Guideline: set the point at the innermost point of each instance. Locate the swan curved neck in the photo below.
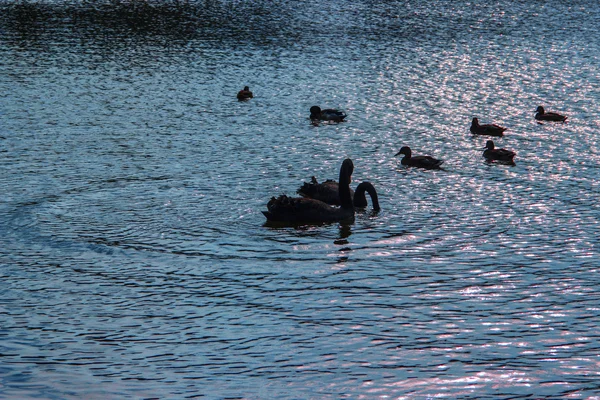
(360, 200)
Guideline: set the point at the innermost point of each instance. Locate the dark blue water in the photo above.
(134, 257)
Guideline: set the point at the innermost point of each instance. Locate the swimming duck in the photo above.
(328, 114)
(418, 161)
(493, 154)
(305, 210)
(487, 129)
(328, 192)
(245, 94)
(542, 115)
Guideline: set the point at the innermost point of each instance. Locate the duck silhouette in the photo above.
(328, 192)
(542, 115)
(304, 210)
(491, 153)
(329, 114)
(426, 162)
(486, 129)
(245, 94)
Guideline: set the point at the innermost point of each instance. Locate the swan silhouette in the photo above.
(491, 153)
(305, 210)
(542, 115)
(328, 192)
(329, 114)
(418, 161)
(486, 129)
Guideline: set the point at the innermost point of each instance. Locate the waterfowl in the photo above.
(328, 114)
(245, 94)
(305, 210)
(418, 161)
(328, 192)
(542, 115)
(493, 154)
(486, 129)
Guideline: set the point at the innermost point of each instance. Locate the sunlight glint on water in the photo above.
(134, 259)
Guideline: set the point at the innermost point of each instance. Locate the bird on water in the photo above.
(491, 153)
(304, 210)
(329, 114)
(245, 94)
(543, 115)
(328, 192)
(486, 129)
(426, 162)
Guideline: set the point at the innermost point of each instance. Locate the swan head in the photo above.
(540, 110)
(346, 170)
(475, 122)
(489, 145)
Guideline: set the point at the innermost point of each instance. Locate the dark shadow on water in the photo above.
(367, 211)
(142, 20)
(499, 162)
(241, 22)
(304, 226)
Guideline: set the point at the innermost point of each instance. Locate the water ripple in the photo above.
(135, 259)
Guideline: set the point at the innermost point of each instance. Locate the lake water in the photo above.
(134, 258)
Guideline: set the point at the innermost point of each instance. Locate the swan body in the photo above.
(305, 210)
(491, 153)
(245, 94)
(542, 115)
(486, 129)
(328, 192)
(426, 162)
(328, 114)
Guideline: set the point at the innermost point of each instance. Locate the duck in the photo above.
(486, 129)
(418, 161)
(300, 210)
(328, 192)
(245, 94)
(329, 114)
(491, 153)
(542, 115)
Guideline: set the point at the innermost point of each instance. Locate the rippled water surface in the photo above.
(134, 258)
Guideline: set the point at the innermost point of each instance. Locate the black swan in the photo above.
(542, 115)
(245, 94)
(486, 129)
(493, 154)
(418, 161)
(326, 115)
(304, 210)
(328, 192)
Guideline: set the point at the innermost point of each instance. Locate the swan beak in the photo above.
(397, 154)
